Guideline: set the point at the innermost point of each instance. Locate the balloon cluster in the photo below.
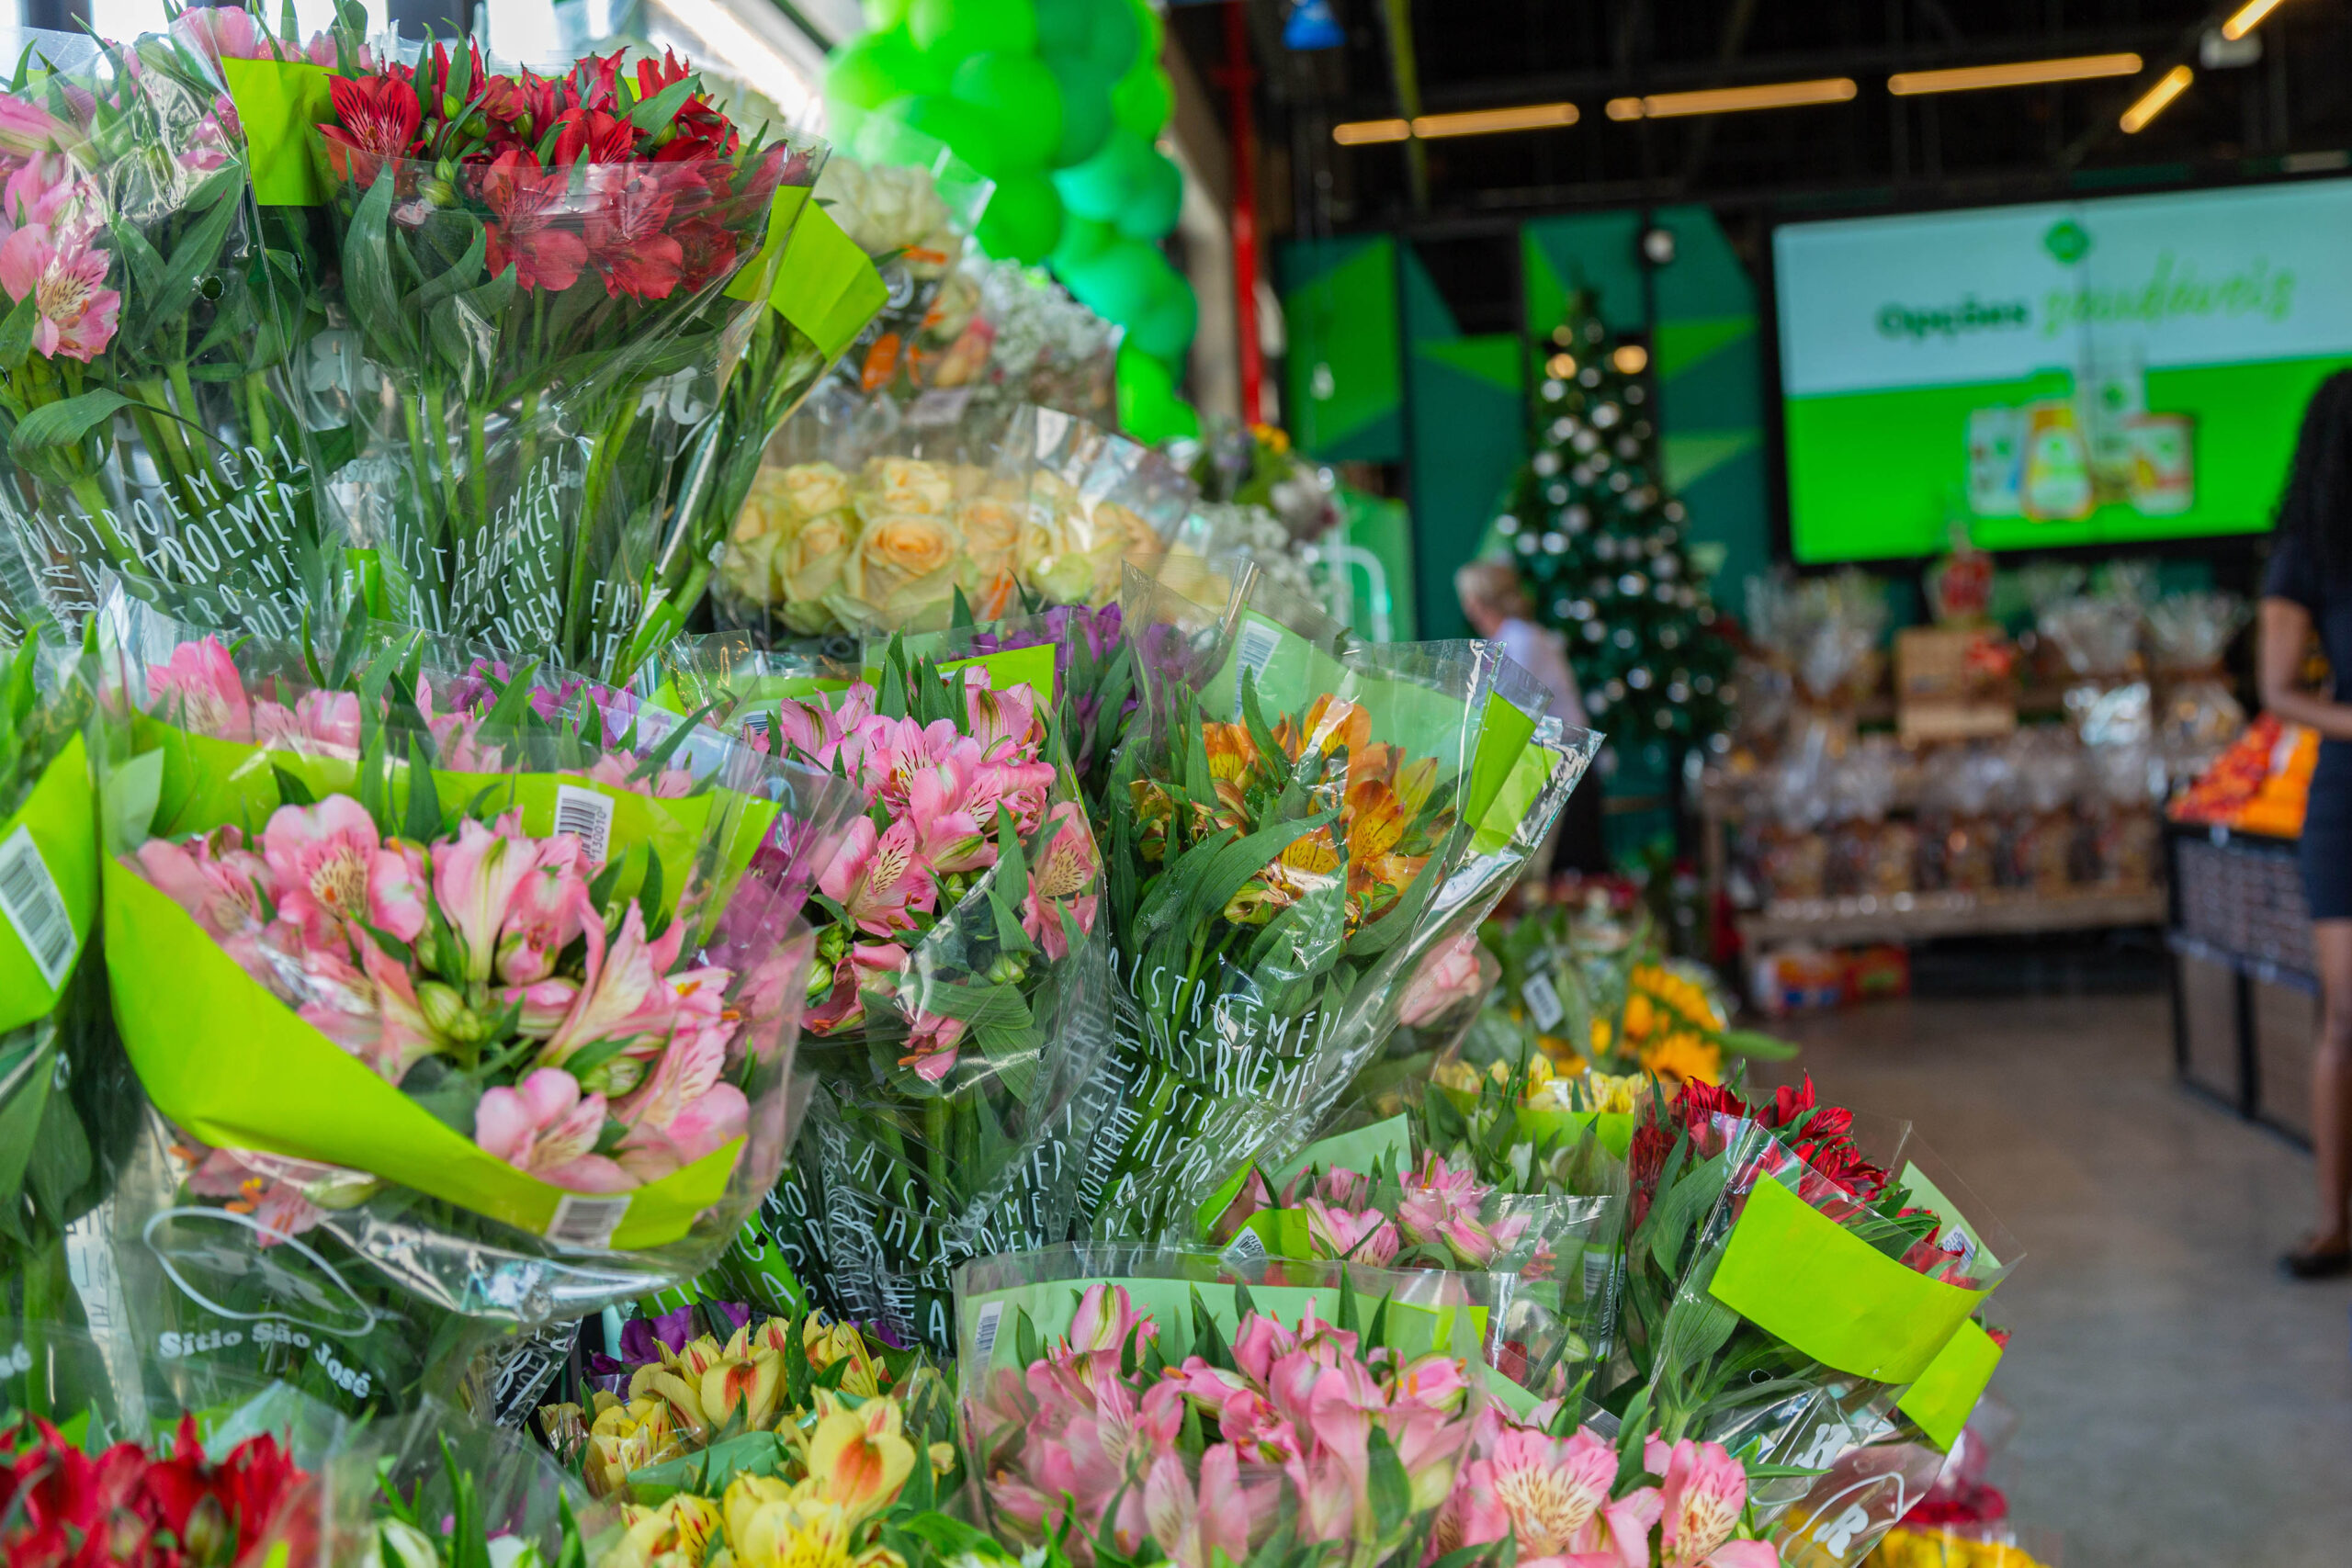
(1060, 102)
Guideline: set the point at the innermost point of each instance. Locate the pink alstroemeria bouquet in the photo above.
(956, 1003)
(465, 997)
(1288, 1444)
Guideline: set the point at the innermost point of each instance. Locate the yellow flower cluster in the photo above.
(1941, 1549)
(852, 1467)
(1671, 1025)
(886, 549)
(677, 1404)
(1549, 1089)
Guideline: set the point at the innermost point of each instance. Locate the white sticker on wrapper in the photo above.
(587, 816)
(1542, 1002)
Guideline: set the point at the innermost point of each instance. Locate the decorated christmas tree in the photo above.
(1605, 549)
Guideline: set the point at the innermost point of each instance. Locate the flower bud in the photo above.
(820, 978)
(445, 1009)
(450, 108)
(440, 193)
(1006, 970)
(832, 944)
(613, 1078)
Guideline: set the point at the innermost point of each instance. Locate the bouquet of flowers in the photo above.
(1790, 1295)
(1158, 1434)
(1043, 347)
(1534, 1236)
(67, 1108)
(531, 267)
(1093, 683)
(910, 205)
(954, 1002)
(433, 1489)
(1293, 828)
(148, 327)
(525, 995)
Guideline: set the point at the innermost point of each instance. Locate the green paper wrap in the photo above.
(53, 868)
(826, 286)
(202, 1044)
(1947, 1390)
(278, 102)
(1799, 1276)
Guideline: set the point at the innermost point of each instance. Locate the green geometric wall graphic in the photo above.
(1343, 387)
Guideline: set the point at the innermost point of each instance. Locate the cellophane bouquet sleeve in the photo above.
(1286, 818)
(1799, 1287)
(150, 328)
(435, 1060)
(68, 1106)
(956, 999)
(910, 204)
(543, 278)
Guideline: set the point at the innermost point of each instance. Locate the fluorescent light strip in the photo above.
(1733, 100)
(1469, 122)
(2249, 18)
(1480, 122)
(2020, 73)
(2169, 86)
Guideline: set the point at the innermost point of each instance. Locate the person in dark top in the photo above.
(2309, 590)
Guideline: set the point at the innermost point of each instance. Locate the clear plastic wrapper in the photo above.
(523, 368)
(433, 1487)
(1052, 1338)
(153, 435)
(911, 205)
(526, 1038)
(68, 1105)
(956, 1004)
(2197, 713)
(1043, 347)
(1099, 503)
(1825, 631)
(1294, 825)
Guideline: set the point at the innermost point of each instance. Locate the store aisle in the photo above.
(2180, 1406)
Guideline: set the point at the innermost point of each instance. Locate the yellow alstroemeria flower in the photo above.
(627, 1437)
(771, 1524)
(827, 1343)
(677, 1386)
(676, 1534)
(859, 1457)
(749, 1387)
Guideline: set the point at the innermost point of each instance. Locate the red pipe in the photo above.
(1239, 78)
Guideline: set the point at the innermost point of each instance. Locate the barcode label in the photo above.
(757, 723)
(586, 1222)
(1246, 1247)
(29, 897)
(587, 816)
(1253, 649)
(1542, 1002)
(984, 1329)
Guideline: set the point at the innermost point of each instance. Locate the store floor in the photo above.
(2180, 1406)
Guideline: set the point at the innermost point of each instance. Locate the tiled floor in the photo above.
(2180, 1406)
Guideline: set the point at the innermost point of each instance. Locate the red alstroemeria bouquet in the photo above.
(532, 263)
(61, 1506)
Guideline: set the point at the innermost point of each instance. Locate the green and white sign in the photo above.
(2088, 372)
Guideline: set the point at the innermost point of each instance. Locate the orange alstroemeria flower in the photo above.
(1232, 755)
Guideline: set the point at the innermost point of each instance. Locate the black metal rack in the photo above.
(2235, 913)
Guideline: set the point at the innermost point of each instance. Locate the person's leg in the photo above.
(2332, 1094)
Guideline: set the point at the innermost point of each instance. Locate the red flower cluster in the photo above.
(572, 183)
(1838, 1181)
(62, 1508)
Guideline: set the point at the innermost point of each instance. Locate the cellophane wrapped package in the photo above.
(438, 1064)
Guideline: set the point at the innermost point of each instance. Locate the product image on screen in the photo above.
(2069, 373)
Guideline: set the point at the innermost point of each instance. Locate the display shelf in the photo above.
(1920, 917)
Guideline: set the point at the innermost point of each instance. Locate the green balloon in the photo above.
(1165, 328)
(1147, 400)
(1086, 109)
(869, 72)
(1117, 37)
(1122, 282)
(1158, 197)
(1023, 221)
(1150, 28)
(970, 133)
(953, 29)
(1143, 100)
(1020, 95)
(881, 16)
(1103, 185)
(1083, 239)
(1065, 26)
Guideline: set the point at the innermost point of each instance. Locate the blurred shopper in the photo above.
(1495, 603)
(2310, 588)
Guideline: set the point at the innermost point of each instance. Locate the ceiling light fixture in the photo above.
(2018, 74)
(1360, 132)
(2249, 16)
(2169, 86)
(1732, 100)
(1480, 122)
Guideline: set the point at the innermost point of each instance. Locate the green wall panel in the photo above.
(1343, 386)
(1466, 436)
